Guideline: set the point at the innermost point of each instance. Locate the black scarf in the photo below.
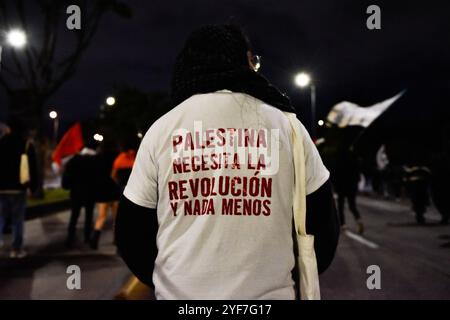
(243, 80)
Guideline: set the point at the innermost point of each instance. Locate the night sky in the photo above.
(329, 39)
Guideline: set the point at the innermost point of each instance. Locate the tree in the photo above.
(37, 71)
(32, 76)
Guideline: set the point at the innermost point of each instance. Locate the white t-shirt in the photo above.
(219, 170)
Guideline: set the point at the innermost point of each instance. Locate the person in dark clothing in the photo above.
(440, 176)
(345, 176)
(439, 186)
(107, 190)
(417, 180)
(214, 58)
(77, 177)
(18, 172)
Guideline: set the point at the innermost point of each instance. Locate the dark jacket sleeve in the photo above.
(322, 221)
(136, 228)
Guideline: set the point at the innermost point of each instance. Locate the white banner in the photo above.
(347, 113)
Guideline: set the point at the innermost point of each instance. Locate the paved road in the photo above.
(414, 260)
(42, 275)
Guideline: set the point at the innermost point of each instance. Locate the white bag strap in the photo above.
(299, 195)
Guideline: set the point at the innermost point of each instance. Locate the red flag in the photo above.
(71, 143)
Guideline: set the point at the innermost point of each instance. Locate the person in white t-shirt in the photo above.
(207, 210)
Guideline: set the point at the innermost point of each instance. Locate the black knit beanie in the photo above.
(215, 58)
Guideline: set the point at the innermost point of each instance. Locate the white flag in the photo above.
(347, 113)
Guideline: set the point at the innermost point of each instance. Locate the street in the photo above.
(414, 260)
(42, 274)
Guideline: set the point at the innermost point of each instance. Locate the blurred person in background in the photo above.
(4, 129)
(123, 164)
(417, 181)
(345, 176)
(107, 191)
(440, 177)
(78, 177)
(18, 173)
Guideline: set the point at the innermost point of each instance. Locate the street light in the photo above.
(98, 137)
(110, 101)
(320, 123)
(302, 80)
(54, 116)
(16, 38)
